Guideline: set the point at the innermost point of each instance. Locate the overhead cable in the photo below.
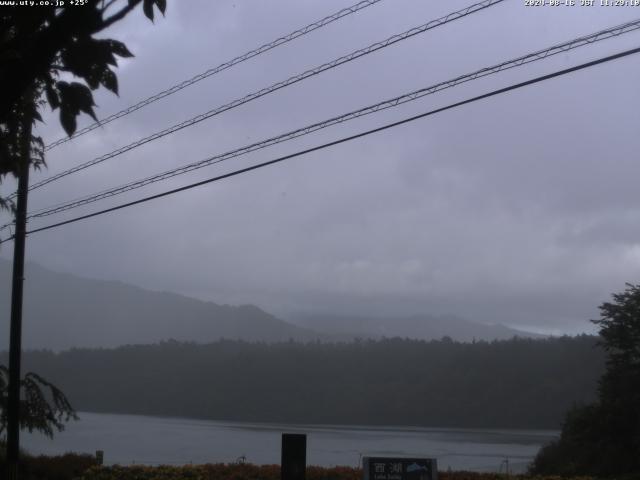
(344, 139)
(223, 66)
(389, 103)
(275, 87)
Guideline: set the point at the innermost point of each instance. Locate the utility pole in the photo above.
(15, 336)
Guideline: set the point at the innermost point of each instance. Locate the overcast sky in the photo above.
(522, 209)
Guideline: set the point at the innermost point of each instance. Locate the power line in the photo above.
(389, 103)
(223, 66)
(345, 139)
(519, 61)
(277, 86)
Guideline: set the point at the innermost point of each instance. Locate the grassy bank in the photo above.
(83, 467)
(264, 472)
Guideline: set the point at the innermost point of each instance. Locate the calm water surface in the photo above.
(128, 439)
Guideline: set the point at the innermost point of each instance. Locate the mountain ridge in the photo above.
(71, 311)
(63, 310)
(417, 326)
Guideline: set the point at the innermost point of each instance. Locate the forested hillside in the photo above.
(63, 311)
(515, 383)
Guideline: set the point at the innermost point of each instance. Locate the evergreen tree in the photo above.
(604, 438)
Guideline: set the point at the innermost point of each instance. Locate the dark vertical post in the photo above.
(293, 464)
(15, 335)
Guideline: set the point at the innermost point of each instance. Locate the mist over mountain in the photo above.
(422, 327)
(63, 311)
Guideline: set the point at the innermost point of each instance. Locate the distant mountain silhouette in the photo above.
(421, 327)
(63, 311)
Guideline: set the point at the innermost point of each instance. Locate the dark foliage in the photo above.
(36, 45)
(604, 438)
(516, 383)
(69, 466)
(264, 472)
(16, 140)
(43, 406)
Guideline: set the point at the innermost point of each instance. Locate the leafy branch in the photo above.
(43, 406)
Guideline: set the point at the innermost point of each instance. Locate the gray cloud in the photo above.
(522, 209)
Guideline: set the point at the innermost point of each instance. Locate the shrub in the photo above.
(64, 467)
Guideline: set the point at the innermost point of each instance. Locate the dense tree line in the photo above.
(515, 383)
(603, 438)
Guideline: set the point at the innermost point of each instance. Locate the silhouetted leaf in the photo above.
(93, 78)
(147, 7)
(68, 120)
(92, 19)
(74, 98)
(88, 58)
(37, 152)
(52, 97)
(119, 49)
(162, 5)
(110, 81)
(65, 102)
(83, 98)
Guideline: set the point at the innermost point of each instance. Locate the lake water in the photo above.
(129, 439)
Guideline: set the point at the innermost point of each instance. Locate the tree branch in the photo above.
(106, 7)
(120, 15)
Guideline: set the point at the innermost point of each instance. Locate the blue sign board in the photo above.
(399, 468)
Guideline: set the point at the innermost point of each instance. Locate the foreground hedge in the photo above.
(214, 472)
(83, 467)
(62, 467)
(265, 472)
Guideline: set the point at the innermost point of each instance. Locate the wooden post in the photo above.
(15, 334)
(294, 456)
